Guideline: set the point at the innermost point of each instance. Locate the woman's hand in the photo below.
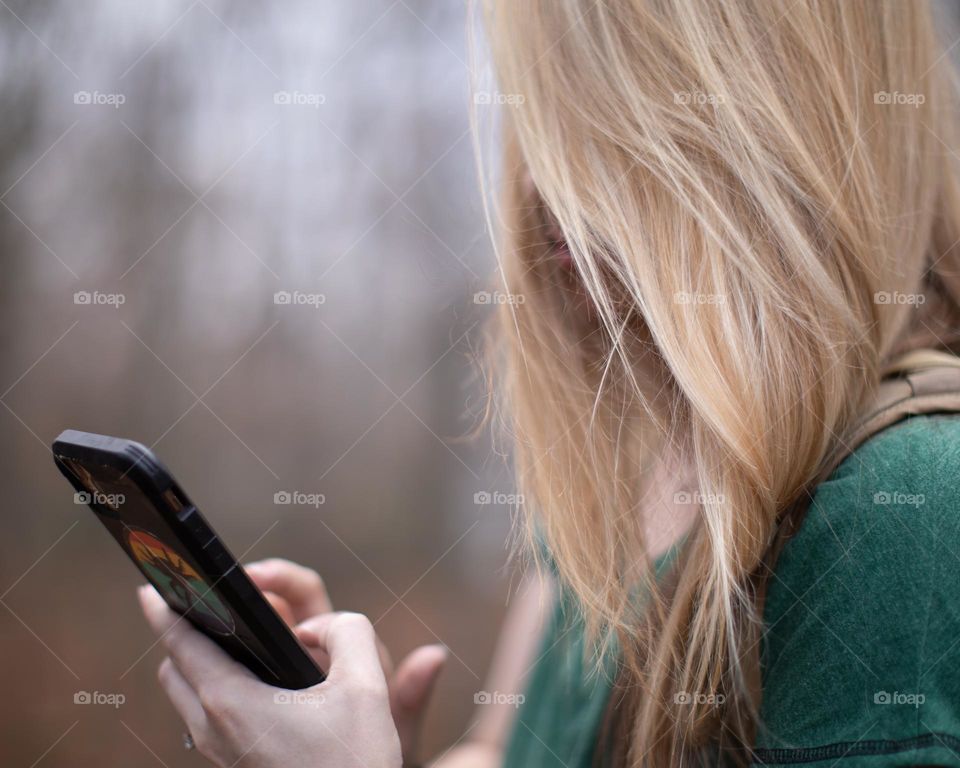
(300, 597)
(233, 716)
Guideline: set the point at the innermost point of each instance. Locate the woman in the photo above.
(726, 220)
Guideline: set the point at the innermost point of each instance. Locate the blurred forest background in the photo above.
(180, 163)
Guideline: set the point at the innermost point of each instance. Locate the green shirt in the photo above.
(861, 660)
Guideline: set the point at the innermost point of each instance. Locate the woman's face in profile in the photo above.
(556, 243)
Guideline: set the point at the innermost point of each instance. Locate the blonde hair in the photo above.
(755, 196)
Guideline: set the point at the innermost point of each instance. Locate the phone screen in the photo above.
(140, 529)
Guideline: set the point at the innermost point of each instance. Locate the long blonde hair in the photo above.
(761, 205)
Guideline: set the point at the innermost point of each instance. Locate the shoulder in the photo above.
(899, 488)
(895, 497)
(863, 612)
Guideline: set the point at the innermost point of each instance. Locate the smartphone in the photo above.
(167, 538)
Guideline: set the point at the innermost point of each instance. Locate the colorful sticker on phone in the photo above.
(178, 582)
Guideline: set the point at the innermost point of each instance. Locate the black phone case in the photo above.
(288, 664)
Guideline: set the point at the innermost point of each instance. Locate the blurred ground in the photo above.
(190, 160)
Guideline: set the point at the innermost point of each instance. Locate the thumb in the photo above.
(410, 692)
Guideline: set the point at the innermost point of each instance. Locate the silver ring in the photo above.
(188, 743)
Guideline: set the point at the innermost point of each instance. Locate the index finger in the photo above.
(301, 587)
(198, 658)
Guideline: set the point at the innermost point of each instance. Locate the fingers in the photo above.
(410, 692)
(182, 696)
(282, 607)
(307, 635)
(198, 658)
(351, 644)
(312, 630)
(415, 677)
(301, 587)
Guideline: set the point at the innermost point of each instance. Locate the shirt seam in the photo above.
(843, 749)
